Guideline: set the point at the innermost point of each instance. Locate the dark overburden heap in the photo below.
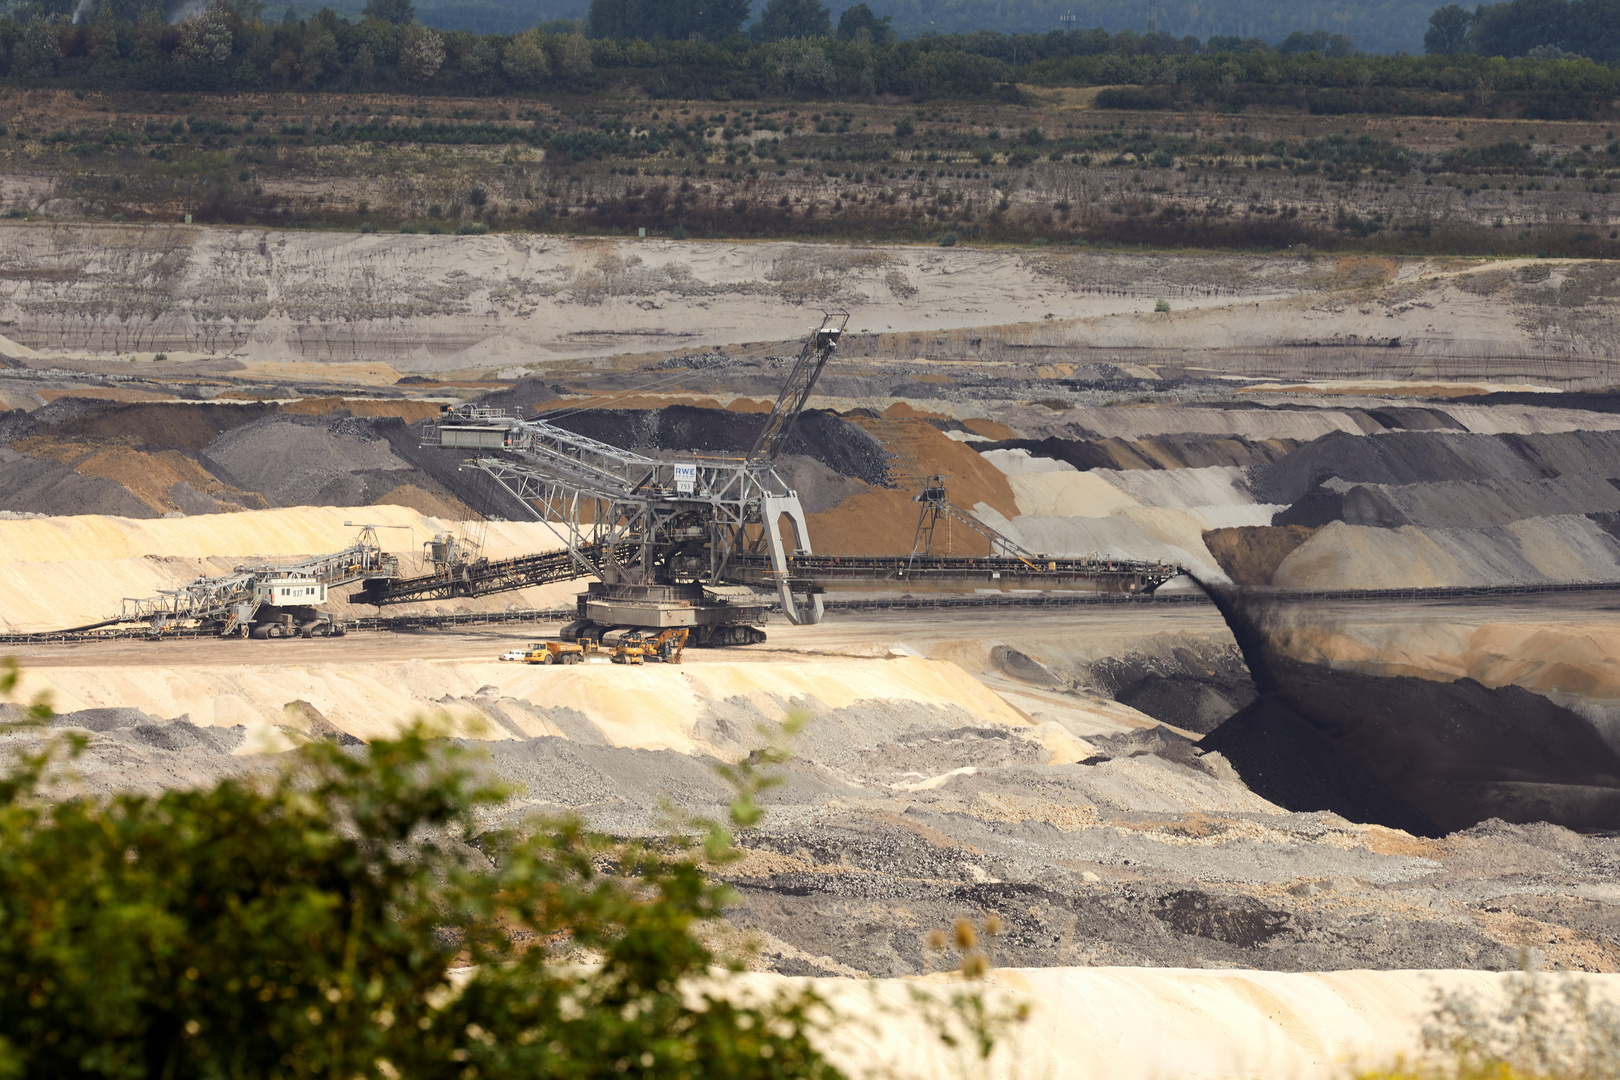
(1414, 457)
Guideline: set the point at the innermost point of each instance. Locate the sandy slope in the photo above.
(422, 303)
(1142, 1024)
(657, 707)
(1565, 548)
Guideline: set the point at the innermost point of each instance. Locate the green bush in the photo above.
(472, 228)
(948, 240)
(307, 924)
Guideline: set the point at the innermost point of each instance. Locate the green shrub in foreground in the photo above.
(306, 924)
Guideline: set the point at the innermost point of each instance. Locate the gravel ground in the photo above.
(296, 460)
(1148, 852)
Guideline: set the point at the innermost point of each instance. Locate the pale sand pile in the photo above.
(1566, 548)
(1116, 1023)
(15, 397)
(1217, 495)
(59, 572)
(1067, 493)
(656, 707)
(1130, 532)
(1149, 421)
(1528, 419)
(1142, 514)
(1211, 485)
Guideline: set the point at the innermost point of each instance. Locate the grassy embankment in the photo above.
(1053, 169)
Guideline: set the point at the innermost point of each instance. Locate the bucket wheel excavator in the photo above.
(666, 539)
(699, 541)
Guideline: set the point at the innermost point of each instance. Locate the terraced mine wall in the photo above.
(1423, 755)
(1420, 505)
(1375, 723)
(435, 303)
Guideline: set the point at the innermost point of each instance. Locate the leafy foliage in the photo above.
(674, 20)
(1546, 29)
(793, 19)
(1541, 1030)
(1448, 31)
(320, 922)
(859, 20)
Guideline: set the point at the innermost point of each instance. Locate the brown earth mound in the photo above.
(407, 410)
(145, 426)
(1251, 554)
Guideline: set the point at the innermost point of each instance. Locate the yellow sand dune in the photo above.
(299, 530)
(1067, 493)
(66, 571)
(655, 707)
(1157, 1023)
(1348, 556)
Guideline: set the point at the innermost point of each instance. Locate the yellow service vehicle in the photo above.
(639, 646)
(559, 652)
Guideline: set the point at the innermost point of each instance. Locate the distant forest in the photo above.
(699, 49)
(1371, 26)
(1380, 26)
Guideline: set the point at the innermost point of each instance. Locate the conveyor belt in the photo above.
(851, 571)
(479, 578)
(492, 576)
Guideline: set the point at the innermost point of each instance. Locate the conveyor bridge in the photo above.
(480, 577)
(804, 572)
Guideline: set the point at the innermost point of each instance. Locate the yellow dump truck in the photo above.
(638, 647)
(559, 652)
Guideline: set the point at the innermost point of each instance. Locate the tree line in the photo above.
(689, 48)
(1541, 29)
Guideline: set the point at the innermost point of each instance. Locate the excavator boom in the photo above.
(790, 403)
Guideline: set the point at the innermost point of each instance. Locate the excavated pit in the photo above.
(1127, 793)
(1423, 755)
